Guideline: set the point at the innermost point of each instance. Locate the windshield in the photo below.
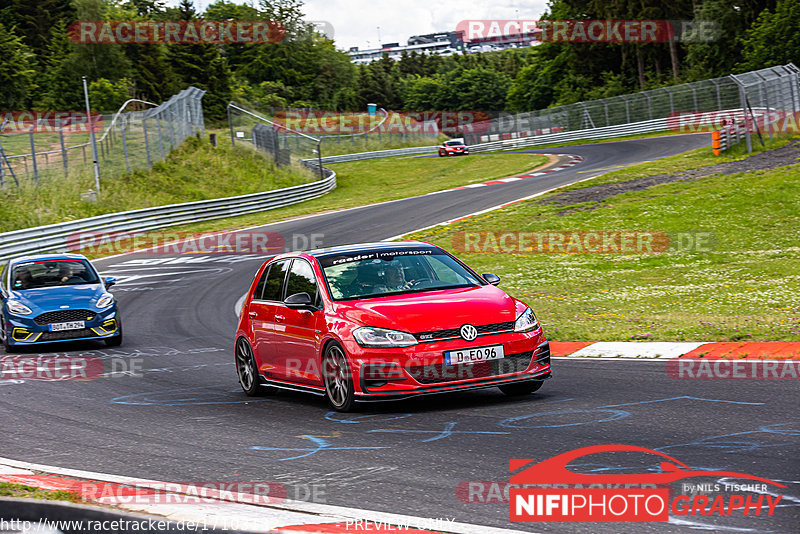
(378, 273)
(455, 143)
(48, 273)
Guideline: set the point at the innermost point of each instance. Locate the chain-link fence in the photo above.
(306, 133)
(770, 93)
(60, 147)
(283, 144)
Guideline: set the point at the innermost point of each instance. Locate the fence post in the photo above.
(160, 137)
(63, 147)
(671, 102)
(627, 109)
(124, 142)
(33, 156)
(765, 90)
(230, 126)
(743, 98)
(146, 143)
(172, 139)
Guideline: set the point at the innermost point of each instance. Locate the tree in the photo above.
(479, 89)
(202, 66)
(423, 93)
(34, 20)
(17, 71)
(107, 96)
(773, 39)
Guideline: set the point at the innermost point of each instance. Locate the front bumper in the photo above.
(23, 330)
(527, 357)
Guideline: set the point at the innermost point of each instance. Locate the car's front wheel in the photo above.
(246, 368)
(7, 346)
(521, 388)
(337, 378)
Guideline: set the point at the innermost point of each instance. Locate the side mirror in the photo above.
(491, 278)
(299, 301)
(109, 281)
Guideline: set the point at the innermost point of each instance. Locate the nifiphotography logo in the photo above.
(559, 494)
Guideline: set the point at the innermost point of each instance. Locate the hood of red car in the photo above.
(432, 310)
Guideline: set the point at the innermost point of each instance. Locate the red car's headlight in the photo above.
(373, 337)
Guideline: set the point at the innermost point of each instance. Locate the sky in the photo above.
(357, 22)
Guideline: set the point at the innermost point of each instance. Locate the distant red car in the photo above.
(384, 321)
(454, 147)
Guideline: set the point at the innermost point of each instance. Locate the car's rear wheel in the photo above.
(337, 378)
(521, 388)
(246, 368)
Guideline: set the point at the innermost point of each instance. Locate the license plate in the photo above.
(72, 325)
(474, 354)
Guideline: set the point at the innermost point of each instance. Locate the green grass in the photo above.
(194, 171)
(743, 287)
(30, 492)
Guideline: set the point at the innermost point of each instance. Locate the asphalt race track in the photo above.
(170, 407)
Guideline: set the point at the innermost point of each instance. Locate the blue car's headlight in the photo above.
(526, 322)
(105, 301)
(18, 308)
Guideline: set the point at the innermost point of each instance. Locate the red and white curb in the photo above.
(222, 510)
(573, 160)
(613, 350)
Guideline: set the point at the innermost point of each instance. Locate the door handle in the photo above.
(279, 318)
(253, 314)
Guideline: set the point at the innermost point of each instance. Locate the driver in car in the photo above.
(68, 276)
(394, 278)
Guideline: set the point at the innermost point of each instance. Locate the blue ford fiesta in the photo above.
(56, 297)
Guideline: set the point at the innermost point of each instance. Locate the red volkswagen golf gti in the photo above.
(384, 321)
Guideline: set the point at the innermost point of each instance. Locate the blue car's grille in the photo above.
(62, 316)
(67, 334)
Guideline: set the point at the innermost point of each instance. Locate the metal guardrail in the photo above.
(380, 154)
(62, 236)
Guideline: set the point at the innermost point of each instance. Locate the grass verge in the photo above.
(740, 283)
(29, 492)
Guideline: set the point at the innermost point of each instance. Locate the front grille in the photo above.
(456, 332)
(67, 334)
(63, 316)
(439, 373)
